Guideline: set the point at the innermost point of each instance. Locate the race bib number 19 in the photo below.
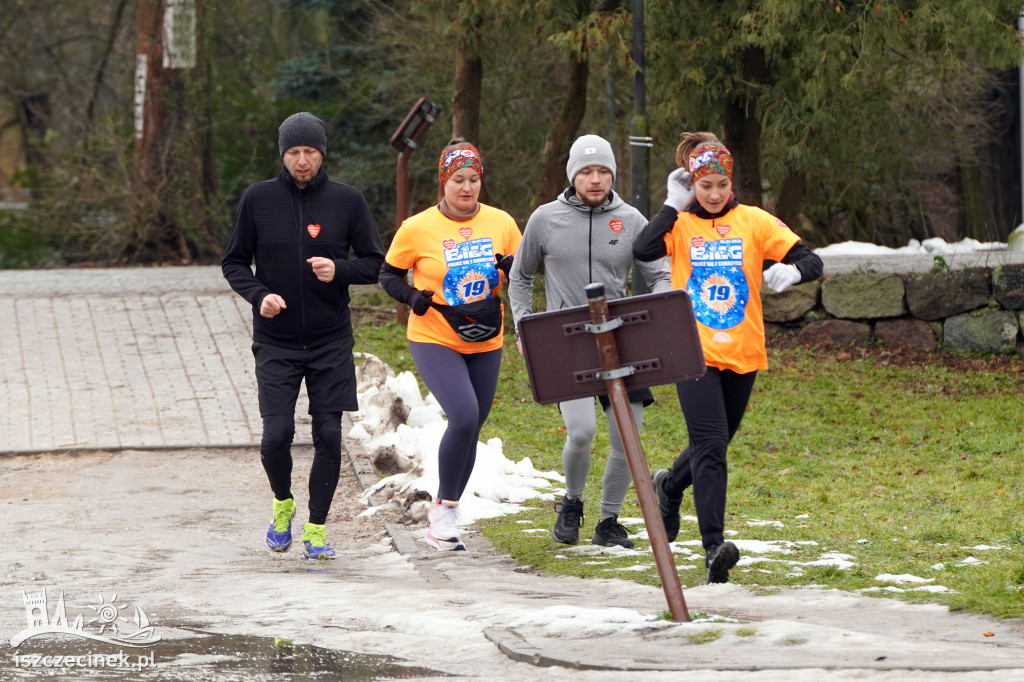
(471, 271)
(717, 286)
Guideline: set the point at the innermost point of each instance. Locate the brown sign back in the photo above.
(658, 338)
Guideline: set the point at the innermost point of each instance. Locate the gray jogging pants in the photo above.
(580, 419)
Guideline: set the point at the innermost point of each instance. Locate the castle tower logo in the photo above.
(108, 624)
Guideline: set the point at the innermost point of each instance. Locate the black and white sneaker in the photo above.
(719, 560)
(570, 519)
(668, 506)
(610, 532)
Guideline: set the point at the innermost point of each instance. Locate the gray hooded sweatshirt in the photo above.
(579, 244)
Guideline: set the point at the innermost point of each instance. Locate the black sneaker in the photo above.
(610, 532)
(669, 506)
(719, 560)
(570, 519)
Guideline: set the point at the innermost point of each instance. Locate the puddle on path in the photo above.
(204, 657)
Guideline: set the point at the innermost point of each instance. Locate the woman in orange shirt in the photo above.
(718, 248)
(457, 251)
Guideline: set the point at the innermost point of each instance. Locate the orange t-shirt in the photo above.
(455, 260)
(719, 262)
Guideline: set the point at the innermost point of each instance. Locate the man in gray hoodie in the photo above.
(586, 235)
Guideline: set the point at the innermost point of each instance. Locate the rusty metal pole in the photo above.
(608, 352)
(405, 139)
(402, 212)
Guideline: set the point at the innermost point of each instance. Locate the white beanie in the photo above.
(589, 150)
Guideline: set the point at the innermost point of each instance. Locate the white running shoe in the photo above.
(443, 531)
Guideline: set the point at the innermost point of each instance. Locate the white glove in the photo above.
(780, 277)
(680, 189)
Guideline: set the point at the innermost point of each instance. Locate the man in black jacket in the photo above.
(299, 229)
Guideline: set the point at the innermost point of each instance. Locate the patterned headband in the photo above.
(463, 156)
(708, 159)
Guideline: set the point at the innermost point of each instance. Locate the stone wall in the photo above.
(972, 308)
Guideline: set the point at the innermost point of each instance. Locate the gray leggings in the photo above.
(464, 385)
(581, 426)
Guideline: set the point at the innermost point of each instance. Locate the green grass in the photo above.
(704, 637)
(23, 243)
(901, 466)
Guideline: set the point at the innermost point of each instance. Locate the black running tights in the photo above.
(275, 452)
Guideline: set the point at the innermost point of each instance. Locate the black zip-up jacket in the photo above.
(275, 224)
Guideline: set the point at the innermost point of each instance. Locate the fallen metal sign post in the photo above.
(641, 341)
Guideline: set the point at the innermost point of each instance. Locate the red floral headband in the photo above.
(708, 159)
(463, 156)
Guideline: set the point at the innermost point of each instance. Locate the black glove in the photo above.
(419, 301)
(503, 263)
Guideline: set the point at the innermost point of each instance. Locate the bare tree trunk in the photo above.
(562, 132)
(150, 45)
(101, 68)
(159, 170)
(149, 86)
(743, 130)
(469, 76)
(206, 184)
(790, 200)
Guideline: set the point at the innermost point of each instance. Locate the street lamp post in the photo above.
(640, 142)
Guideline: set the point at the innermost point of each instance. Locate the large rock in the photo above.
(834, 332)
(792, 304)
(868, 296)
(990, 331)
(1008, 286)
(944, 294)
(906, 333)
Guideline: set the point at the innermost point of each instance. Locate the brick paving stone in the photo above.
(127, 358)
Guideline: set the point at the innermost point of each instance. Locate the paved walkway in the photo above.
(128, 358)
(136, 359)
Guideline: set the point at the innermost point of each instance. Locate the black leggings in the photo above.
(713, 406)
(275, 453)
(464, 386)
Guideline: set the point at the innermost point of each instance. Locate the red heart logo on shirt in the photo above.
(448, 244)
(466, 232)
(616, 226)
(722, 229)
(697, 242)
(313, 230)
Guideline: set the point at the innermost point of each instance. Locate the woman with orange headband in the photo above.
(457, 251)
(718, 248)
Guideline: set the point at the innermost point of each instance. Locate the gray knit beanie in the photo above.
(589, 150)
(302, 130)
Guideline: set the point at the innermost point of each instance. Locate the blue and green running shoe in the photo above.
(279, 535)
(314, 538)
